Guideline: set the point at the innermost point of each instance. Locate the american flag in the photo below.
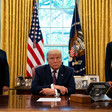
(73, 51)
(35, 54)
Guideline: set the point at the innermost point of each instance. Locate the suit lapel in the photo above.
(49, 75)
(60, 76)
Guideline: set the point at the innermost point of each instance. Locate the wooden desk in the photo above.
(26, 90)
(23, 90)
(28, 103)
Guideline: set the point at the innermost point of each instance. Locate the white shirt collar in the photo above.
(53, 70)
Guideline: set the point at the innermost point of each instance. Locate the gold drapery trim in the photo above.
(97, 27)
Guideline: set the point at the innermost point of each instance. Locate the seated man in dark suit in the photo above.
(45, 83)
(108, 66)
(4, 72)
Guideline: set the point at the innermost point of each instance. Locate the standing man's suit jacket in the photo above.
(108, 66)
(43, 79)
(108, 59)
(4, 70)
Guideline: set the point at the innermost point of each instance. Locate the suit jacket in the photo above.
(43, 79)
(108, 59)
(4, 70)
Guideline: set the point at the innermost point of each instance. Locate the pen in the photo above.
(108, 89)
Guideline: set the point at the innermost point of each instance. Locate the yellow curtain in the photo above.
(15, 27)
(96, 22)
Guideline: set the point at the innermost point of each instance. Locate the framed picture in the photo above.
(78, 81)
(78, 84)
(84, 84)
(92, 78)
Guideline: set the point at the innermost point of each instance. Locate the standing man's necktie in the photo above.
(54, 77)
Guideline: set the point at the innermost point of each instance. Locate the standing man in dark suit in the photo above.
(4, 72)
(108, 62)
(44, 82)
(108, 66)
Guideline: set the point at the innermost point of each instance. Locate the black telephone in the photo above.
(97, 90)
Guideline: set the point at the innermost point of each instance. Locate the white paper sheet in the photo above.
(49, 100)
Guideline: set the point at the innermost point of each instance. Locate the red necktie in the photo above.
(54, 77)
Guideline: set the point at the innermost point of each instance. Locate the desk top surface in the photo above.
(29, 103)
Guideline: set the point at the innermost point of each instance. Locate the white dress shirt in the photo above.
(52, 85)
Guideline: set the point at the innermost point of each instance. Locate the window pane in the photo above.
(66, 33)
(69, 3)
(46, 35)
(67, 19)
(44, 4)
(65, 55)
(56, 18)
(56, 36)
(56, 3)
(44, 17)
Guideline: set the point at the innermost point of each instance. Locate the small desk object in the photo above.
(80, 98)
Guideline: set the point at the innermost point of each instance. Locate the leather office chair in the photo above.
(33, 71)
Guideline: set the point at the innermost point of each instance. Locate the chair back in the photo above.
(33, 71)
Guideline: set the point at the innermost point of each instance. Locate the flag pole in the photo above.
(75, 21)
(34, 40)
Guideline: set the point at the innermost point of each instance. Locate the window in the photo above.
(55, 17)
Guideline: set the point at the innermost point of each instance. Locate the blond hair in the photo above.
(53, 51)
